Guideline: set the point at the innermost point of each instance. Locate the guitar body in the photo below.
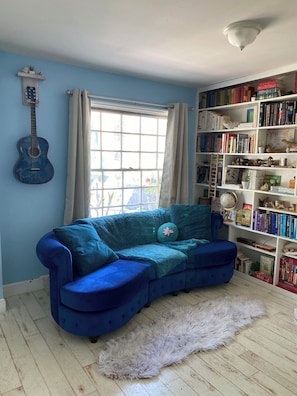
(33, 166)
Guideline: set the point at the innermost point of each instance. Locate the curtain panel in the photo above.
(78, 166)
(175, 180)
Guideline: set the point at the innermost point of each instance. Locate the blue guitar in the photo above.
(33, 166)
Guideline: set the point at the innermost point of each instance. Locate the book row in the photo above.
(288, 270)
(278, 113)
(281, 224)
(214, 121)
(226, 143)
(226, 96)
(231, 95)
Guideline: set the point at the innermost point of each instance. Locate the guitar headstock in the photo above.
(31, 96)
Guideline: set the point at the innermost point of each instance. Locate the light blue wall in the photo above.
(29, 211)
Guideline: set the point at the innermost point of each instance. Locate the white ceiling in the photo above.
(178, 41)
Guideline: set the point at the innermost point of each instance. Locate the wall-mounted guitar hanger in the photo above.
(30, 79)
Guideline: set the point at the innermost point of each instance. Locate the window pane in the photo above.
(112, 197)
(111, 122)
(162, 126)
(160, 161)
(112, 180)
(95, 119)
(130, 142)
(96, 180)
(149, 125)
(131, 123)
(150, 178)
(148, 161)
(130, 160)
(95, 159)
(132, 179)
(161, 143)
(95, 140)
(111, 160)
(149, 143)
(111, 141)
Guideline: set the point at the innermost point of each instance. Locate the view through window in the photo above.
(127, 153)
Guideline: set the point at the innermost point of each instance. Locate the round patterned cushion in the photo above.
(167, 232)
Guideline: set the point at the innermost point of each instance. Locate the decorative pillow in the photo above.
(88, 251)
(167, 232)
(193, 221)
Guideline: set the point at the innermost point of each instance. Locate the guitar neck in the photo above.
(34, 141)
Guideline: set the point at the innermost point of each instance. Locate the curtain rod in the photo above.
(165, 106)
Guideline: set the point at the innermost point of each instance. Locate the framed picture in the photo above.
(272, 180)
(266, 265)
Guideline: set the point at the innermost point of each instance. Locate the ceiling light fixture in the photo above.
(242, 33)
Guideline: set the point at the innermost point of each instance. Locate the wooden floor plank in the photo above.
(48, 366)
(9, 378)
(30, 376)
(22, 316)
(71, 368)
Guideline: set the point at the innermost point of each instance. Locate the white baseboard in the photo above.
(2, 305)
(32, 285)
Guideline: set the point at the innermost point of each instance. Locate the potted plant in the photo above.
(261, 147)
(245, 178)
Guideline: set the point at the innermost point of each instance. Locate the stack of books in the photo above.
(269, 89)
(288, 274)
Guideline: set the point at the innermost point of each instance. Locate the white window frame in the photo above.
(119, 196)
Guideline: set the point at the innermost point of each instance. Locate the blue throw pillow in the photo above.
(193, 221)
(167, 232)
(88, 251)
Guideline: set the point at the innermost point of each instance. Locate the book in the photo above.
(266, 265)
(271, 83)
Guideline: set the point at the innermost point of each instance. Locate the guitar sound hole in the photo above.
(34, 152)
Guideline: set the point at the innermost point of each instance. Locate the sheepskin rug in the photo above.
(174, 335)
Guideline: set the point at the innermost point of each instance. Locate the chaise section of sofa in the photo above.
(104, 270)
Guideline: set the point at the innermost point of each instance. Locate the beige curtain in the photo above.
(78, 167)
(175, 180)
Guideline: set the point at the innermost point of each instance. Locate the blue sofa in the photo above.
(104, 270)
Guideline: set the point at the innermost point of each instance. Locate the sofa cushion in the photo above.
(193, 221)
(108, 287)
(162, 258)
(167, 232)
(213, 254)
(88, 251)
(125, 230)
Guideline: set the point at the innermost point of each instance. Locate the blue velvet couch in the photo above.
(104, 270)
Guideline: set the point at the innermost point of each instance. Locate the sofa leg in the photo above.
(175, 293)
(147, 305)
(187, 290)
(93, 339)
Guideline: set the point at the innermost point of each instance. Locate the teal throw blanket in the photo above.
(163, 256)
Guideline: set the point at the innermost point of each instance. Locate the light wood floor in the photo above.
(38, 358)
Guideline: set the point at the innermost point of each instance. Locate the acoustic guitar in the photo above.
(33, 166)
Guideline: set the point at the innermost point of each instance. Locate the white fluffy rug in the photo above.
(176, 334)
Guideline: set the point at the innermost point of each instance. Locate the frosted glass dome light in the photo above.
(240, 34)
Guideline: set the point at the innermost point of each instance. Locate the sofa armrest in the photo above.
(56, 257)
(216, 225)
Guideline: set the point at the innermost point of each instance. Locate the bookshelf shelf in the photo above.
(236, 122)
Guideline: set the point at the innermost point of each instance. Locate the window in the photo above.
(127, 153)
